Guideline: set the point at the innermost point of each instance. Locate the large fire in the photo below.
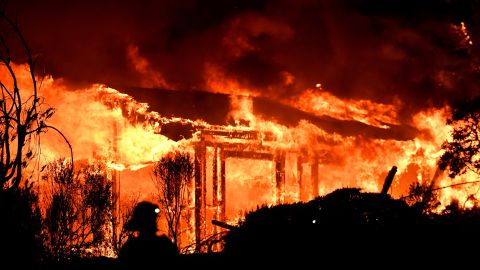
(103, 123)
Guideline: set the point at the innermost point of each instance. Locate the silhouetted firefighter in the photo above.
(146, 249)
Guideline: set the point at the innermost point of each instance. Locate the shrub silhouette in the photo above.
(20, 226)
(345, 221)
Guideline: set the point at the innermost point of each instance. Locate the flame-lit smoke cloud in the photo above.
(360, 49)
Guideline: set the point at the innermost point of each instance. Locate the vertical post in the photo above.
(198, 197)
(389, 180)
(301, 188)
(222, 186)
(280, 176)
(203, 164)
(199, 184)
(215, 186)
(115, 211)
(115, 186)
(314, 171)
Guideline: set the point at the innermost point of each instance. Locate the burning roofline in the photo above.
(214, 109)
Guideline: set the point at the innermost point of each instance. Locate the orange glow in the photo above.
(320, 102)
(91, 128)
(219, 83)
(102, 123)
(150, 77)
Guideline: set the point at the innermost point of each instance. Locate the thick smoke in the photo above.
(379, 50)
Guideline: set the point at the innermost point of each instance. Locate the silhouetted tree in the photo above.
(23, 117)
(463, 152)
(423, 197)
(78, 211)
(172, 176)
(23, 114)
(98, 201)
(60, 221)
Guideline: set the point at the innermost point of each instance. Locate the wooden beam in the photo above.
(215, 181)
(199, 179)
(248, 155)
(222, 186)
(236, 134)
(224, 225)
(388, 180)
(239, 146)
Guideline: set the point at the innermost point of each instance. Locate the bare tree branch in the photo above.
(21, 119)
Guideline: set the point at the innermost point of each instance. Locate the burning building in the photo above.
(248, 151)
(246, 156)
(284, 100)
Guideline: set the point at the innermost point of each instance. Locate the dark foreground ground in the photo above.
(343, 229)
(190, 261)
(417, 255)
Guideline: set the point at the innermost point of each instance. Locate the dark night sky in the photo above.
(360, 49)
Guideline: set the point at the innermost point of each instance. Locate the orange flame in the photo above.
(321, 102)
(101, 122)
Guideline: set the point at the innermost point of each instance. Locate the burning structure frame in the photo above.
(227, 142)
